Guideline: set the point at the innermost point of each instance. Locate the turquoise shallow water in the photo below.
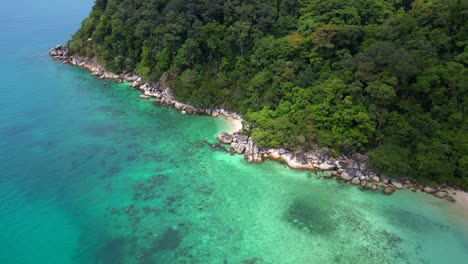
(93, 174)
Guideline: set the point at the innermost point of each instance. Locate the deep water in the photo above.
(91, 173)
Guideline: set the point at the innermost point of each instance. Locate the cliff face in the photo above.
(386, 78)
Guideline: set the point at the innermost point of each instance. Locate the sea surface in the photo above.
(91, 173)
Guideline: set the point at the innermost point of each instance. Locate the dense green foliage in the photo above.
(387, 77)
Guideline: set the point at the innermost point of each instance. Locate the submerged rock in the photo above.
(364, 184)
(355, 181)
(388, 190)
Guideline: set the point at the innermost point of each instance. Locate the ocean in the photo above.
(91, 173)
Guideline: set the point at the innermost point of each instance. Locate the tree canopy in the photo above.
(386, 77)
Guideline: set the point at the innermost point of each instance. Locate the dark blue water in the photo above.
(91, 173)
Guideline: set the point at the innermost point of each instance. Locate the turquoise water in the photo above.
(90, 173)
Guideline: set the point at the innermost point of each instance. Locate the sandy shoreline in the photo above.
(461, 201)
(233, 125)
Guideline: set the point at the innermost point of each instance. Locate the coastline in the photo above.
(353, 169)
(233, 125)
(461, 203)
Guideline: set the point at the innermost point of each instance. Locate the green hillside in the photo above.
(384, 77)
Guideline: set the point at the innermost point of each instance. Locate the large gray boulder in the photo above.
(346, 176)
(355, 181)
(224, 137)
(396, 183)
(239, 148)
(388, 190)
(326, 166)
(297, 160)
(252, 153)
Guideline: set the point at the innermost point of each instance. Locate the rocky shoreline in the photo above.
(353, 169)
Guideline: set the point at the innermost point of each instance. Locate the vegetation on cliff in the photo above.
(387, 77)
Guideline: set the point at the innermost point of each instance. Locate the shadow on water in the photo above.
(309, 218)
(13, 131)
(111, 110)
(99, 130)
(412, 221)
(170, 240)
(115, 250)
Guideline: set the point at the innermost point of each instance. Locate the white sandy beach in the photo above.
(233, 125)
(461, 202)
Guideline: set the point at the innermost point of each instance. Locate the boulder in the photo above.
(242, 139)
(169, 93)
(375, 187)
(183, 112)
(384, 179)
(355, 181)
(224, 137)
(326, 166)
(297, 161)
(388, 190)
(441, 194)
(376, 178)
(252, 153)
(136, 84)
(239, 148)
(396, 183)
(360, 174)
(345, 176)
(341, 164)
(274, 154)
(363, 184)
(53, 52)
(429, 190)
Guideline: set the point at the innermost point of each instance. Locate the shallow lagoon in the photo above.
(91, 173)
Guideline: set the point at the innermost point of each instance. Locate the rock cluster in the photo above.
(241, 144)
(59, 52)
(351, 169)
(161, 92)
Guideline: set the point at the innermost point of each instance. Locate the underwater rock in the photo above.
(363, 184)
(355, 181)
(170, 239)
(388, 190)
